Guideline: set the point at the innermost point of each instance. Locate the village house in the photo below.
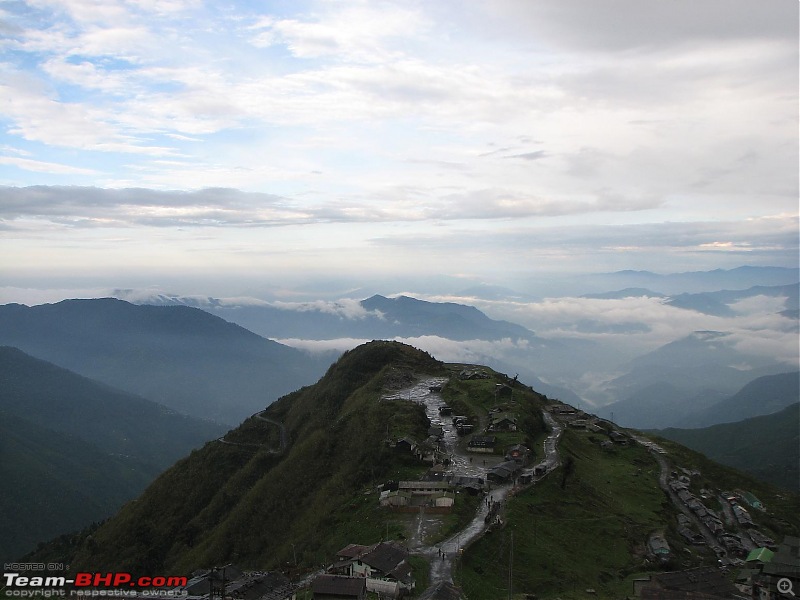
(618, 438)
(505, 471)
(395, 498)
(471, 485)
(503, 391)
(422, 488)
(384, 566)
(658, 548)
(338, 587)
(703, 582)
(502, 422)
(429, 451)
(405, 445)
(482, 443)
(518, 453)
(434, 492)
(436, 431)
(751, 500)
(562, 409)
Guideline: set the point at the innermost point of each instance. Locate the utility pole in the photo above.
(216, 589)
(511, 569)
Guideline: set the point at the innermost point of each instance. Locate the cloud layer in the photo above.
(185, 133)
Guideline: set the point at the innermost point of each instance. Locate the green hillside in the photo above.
(54, 483)
(767, 447)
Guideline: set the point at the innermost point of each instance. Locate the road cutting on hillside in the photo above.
(442, 556)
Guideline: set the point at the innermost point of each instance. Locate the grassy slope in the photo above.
(583, 536)
(54, 483)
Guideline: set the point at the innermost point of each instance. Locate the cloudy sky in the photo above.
(162, 142)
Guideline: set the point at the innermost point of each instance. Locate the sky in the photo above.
(233, 147)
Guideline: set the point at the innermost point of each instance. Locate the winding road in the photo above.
(441, 556)
(252, 446)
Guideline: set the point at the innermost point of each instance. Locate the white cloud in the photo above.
(44, 167)
(316, 346)
(346, 308)
(468, 351)
(355, 31)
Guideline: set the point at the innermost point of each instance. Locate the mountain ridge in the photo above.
(185, 358)
(766, 446)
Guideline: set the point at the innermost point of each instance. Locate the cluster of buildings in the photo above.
(578, 419)
(766, 575)
(708, 517)
(735, 544)
(769, 575)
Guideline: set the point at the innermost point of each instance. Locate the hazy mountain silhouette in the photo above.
(767, 446)
(73, 450)
(718, 303)
(762, 396)
(696, 366)
(182, 357)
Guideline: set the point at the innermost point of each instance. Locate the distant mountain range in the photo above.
(693, 282)
(377, 317)
(763, 396)
(665, 403)
(73, 450)
(181, 357)
(767, 447)
(689, 374)
(703, 367)
(719, 303)
(626, 293)
(403, 317)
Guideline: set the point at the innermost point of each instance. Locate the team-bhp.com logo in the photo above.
(17, 584)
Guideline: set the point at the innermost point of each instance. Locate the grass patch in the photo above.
(591, 534)
(420, 569)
